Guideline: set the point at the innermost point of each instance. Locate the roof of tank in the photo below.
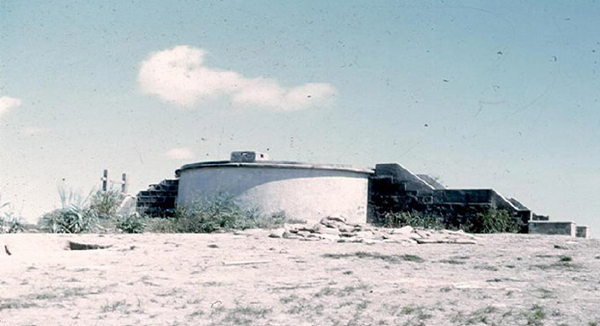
(274, 164)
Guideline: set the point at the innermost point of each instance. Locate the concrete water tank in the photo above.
(303, 191)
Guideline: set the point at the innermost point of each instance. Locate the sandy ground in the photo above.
(227, 279)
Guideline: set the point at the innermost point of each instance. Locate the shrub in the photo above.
(271, 221)
(162, 225)
(69, 220)
(492, 221)
(221, 213)
(133, 223)
(106, 203)
(414, 219)
(10, 223)
(75, 216)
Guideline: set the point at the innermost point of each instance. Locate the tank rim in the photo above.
(276, 165)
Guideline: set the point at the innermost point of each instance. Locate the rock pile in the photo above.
(337, 229)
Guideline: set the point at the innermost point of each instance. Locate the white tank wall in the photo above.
(307, 194)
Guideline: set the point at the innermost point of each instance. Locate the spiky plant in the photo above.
(69, 220)
(75, 216)
(11, 223)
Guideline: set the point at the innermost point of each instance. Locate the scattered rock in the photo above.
(364, 234)
(336, 219)
(303, 233)
(322, 229)
(309, 229)
(422, 233)
(351, 240)
(277, 233)
(290, 235)
(326, 236)
(336, 229)
(403, 230)
(85, 246)
(310, 238)
(363, 227)
(400, 241)
(380, 236)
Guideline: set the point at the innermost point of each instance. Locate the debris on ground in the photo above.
(336, 228)
(71, 245)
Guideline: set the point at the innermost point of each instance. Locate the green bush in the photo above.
(272, 221)
(221, 213)
(414, 219)
(69, 220)
(492, 221)
(75, 216)
(10, 223)
(162, 225)
(133, 223)
(106, 203)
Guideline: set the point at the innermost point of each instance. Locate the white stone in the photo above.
(326, 230)
(277, 233)
(403, 230)
(364, 234)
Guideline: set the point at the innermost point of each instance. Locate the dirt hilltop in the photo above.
(251, 278)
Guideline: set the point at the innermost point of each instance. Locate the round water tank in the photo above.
(303, 191)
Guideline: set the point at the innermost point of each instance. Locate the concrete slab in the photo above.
(552, 227)
(582, 231)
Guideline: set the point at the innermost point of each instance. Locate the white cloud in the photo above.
(180, 153)
(179, 75)
(7, 103)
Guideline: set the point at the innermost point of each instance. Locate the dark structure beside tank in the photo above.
(395, 189)
(159, 199)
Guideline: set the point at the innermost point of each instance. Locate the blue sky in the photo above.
(481, 94)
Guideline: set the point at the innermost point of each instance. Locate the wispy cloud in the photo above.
(180, 75)
(180, 153)
(7, 103)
